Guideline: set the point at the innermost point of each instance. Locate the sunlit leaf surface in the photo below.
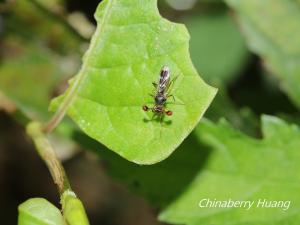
(245, 169)
(38, 211)
(131, 44)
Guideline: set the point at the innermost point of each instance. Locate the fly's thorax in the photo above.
(160, 99)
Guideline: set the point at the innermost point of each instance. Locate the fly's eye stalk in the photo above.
(145, 108)
(169, 113)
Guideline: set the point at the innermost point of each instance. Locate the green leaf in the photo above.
(274, 35)
(217, 47)
(131, 44)
(38, 211)
(159, 183)
(240, 118)
(243, 168)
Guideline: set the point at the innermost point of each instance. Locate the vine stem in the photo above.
(47, 153)
(72, 208)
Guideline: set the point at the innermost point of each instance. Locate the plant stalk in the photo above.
(47, 153)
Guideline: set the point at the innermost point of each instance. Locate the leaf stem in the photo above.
(63, 107)
(59, 114)
(47, 153)
(70, 94)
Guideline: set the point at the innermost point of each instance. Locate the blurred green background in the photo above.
(41, 46)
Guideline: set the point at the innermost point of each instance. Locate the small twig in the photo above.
(47, 153)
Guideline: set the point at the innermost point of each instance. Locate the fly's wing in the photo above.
(170, 84)
(164, 79)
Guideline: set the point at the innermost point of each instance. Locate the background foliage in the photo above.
(249, 50)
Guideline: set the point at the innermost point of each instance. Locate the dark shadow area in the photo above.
(164, 121)
(159, 183)
(87, 7)
(256, 89)
(23, 175)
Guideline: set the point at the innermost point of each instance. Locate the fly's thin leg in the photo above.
(171, 83)
(161, 117)
(175, 102)
(169, 87)
(154, 84)
(153, 116)
(168, 96)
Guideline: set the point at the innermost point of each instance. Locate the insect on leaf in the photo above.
(131, 44)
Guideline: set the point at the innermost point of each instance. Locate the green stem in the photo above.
(47, 153)
(71, 92)
(63, 107)
(72, 208)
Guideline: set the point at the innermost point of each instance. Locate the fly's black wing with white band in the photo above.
(164, 80)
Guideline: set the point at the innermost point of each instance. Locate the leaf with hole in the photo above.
(131, 44)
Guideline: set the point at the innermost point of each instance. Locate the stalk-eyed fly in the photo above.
(161, 94)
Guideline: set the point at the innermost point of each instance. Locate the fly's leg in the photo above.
(161, 117)
(146, 108)
(174, 100)
(168, 96)
(165, 112)
(171, 83)
(155, 85)
(169, 88)
(154, 116)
